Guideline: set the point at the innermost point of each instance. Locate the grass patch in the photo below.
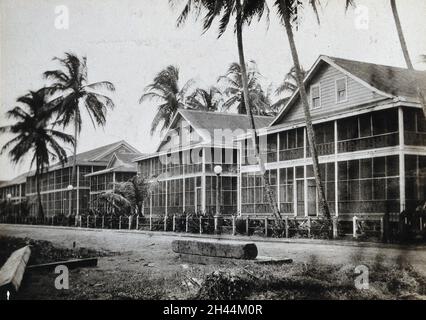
(313, 280)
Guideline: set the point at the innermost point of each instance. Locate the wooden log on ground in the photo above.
(272, 260)
(71, 264)
(207, 260)
(222, 249)
(13, 270)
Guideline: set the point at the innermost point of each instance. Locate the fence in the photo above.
(230, 225)
(386, 227)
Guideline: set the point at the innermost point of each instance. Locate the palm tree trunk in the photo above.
(40, 205)
(141, 209)
(73, 179)
(309, 128)
(405, 52)
(269, 191)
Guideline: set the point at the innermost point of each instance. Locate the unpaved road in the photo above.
(143, 265)
(156, 247)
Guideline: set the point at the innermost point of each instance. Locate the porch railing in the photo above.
(365, 143)
(415, 138)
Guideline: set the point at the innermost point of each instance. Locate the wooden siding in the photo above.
(357, 94)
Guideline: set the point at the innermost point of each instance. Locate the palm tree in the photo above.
(405, 52)
(130, 194)
(165, 88)
(76, 94)
(208, 100)
(286, 88)
(244, 11)
(233, 89)
(288, 11)
(289, 84)
(34, 137)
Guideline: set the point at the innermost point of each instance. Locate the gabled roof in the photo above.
(114, 147)
(119, 162)
(123, 159)
(91, 157)
(392, 80)
(211, 121)
(94, 156)
(17, 180)
(206, 122)
(388, 81)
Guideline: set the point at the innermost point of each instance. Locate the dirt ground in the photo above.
(143, 266)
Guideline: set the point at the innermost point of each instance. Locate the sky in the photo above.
(128, 41)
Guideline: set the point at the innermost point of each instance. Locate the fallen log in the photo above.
(71, 264)
(222, 249)
(12, 272)
(272, 261)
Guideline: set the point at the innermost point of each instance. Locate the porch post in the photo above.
(183, 186)
(294, 192)
(336, 171)
(203, 182)
(239, 164)
(278, 188)
(354, 227)
(402, 199)
(305, 181)
(167, 198)
(77, 195)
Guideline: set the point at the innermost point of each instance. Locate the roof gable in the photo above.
(119, 147)
(394, 81)
(17, 180)
(377, 81)
(180, 133)
(324, 73)
(204, 127)
(122, 159)
(97, 156)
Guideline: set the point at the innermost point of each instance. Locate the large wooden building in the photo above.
(57, 196)
(183, 165)
(371, 140)
(12, 195)
(120, 168)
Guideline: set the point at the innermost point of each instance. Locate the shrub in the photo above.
(240, 226)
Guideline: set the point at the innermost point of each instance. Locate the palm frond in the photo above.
(101, 85)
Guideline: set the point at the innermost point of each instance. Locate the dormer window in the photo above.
(315, 96)
(341, 90)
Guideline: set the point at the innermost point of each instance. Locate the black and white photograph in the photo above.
(212, 155)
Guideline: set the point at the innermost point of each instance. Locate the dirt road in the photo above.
(143, 265)
(153, 246)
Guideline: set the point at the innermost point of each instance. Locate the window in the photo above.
(286, 190)
(385, 121)
(369, 185)
(315, 96)
(341, 93)
(291, 144)
(253, 194)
